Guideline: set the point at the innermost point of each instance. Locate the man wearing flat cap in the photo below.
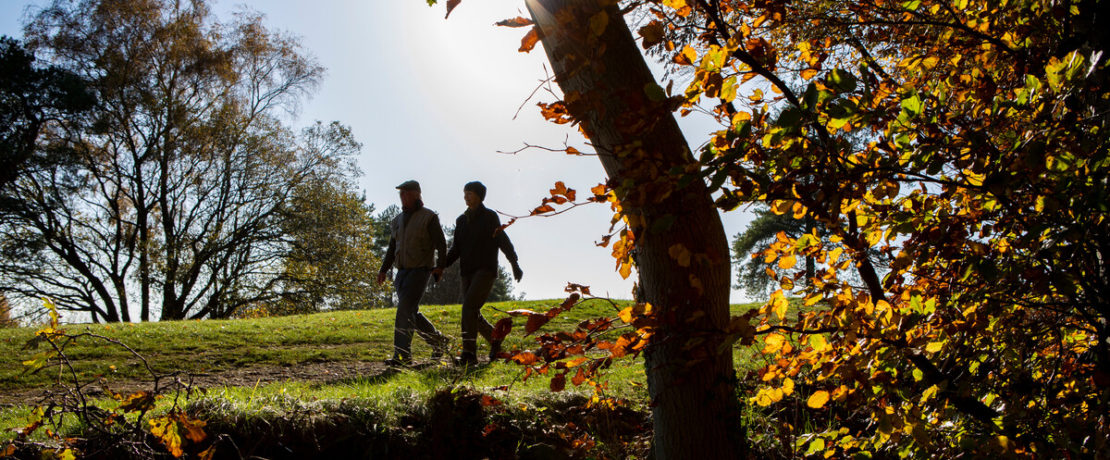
(478, 236)
(415, 238)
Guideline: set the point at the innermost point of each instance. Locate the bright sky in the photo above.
(434, 100)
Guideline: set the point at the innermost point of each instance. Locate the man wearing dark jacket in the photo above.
(478, 236)
(414, 240)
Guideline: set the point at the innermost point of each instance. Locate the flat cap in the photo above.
(410, 185)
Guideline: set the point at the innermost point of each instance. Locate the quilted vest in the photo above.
(414, 246)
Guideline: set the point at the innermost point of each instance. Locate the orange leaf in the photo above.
(193, 427)
(625, 270)
(555, 112)
(488, 401)
(809, 73)
(526, 358)
(576, 362)
(515, 22)
(579, 377)
(687, 56)
(529, 40)
(560, 189)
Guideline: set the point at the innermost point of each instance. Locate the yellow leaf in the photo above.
(577, 362)
(934, 347)
(626, 315)
(774, 343)
(818, 399)
(799, 211)
(809, 73)
(679, 253)
(779, 304)
(676, 4)
(787, 386)
(625, 270)
(787, 261)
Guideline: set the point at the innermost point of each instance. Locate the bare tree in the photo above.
(181, 180)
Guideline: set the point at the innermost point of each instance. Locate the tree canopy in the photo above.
(174, 203)
(962, 141)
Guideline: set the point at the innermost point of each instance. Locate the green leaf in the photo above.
(842, 80)
(913, 105)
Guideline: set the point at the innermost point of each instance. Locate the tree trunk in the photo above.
(681, 248)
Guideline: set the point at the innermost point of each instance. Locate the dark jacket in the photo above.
(478, 236)
(414, 240)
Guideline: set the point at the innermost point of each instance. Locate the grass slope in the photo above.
(343, 338)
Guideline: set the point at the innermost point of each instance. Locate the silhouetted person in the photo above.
(478, 236)
(415, 238)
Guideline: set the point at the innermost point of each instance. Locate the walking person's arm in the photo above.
(501, 239)
(440, 244)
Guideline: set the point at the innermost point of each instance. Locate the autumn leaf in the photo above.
(529, 41)
(555, 112)
(686, 57)
(489, 401)
(652, 34)
(558, 382)
(680, 254)
(502, 329)
(515, 22)
(579, 377)
(139, 402)
(451, 4)
(526, 358)
(818, 399)
(535, 322)
(164, 429)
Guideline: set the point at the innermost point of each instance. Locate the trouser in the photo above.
(410, 284)
(476, 287)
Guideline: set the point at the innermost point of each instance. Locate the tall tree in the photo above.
(183, 177)
(964, 141)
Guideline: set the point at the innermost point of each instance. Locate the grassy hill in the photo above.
(258, 374)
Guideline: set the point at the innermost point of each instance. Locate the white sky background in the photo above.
(433, 100)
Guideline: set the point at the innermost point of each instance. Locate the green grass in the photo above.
(212, 346)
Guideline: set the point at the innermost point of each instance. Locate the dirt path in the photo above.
(322, 373)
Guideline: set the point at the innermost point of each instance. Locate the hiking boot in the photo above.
(466, 359)
(398, 362)
(494, 350)
(439, 346)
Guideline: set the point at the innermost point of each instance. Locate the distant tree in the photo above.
(751, 275)
(448, 290)
(176, 201)
(332, 265)
(382, 229)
